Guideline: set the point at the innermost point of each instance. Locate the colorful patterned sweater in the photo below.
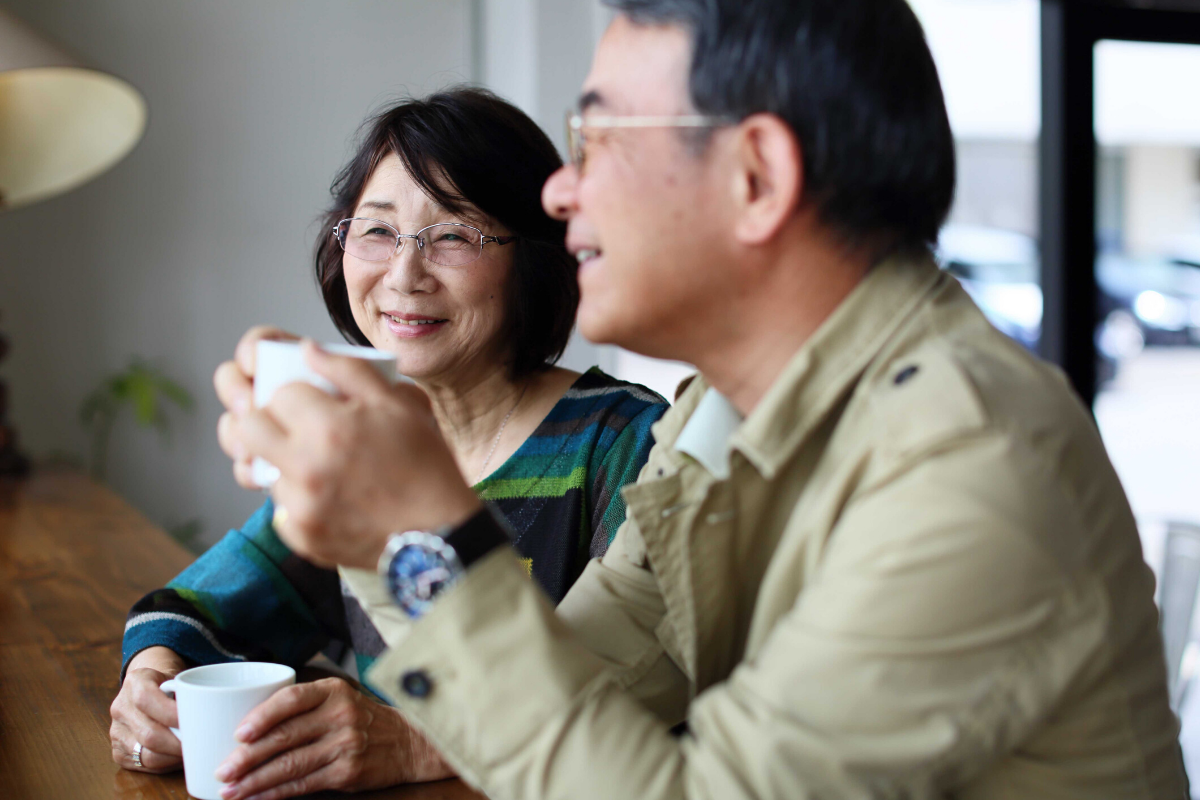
(250, 598)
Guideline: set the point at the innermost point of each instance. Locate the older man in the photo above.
(878, 551)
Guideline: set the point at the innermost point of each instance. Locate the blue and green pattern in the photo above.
(250, 598)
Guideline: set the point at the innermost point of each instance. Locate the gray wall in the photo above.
(207, 227)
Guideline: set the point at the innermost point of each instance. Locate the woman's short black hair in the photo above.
(494, 158)
(855, 81)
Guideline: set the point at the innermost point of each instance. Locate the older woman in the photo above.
(437, 250)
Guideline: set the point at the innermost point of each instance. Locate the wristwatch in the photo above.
(418, 566)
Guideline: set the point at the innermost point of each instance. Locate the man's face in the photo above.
(644, 212)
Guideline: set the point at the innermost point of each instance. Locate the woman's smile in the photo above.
(412, 326)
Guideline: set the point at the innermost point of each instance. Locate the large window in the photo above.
(1148, 271)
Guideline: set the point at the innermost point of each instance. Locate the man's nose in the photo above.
(559, 195)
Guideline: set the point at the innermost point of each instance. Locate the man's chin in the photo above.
(600, 327)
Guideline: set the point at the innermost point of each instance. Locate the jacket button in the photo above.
(416, 684)
(903, 375)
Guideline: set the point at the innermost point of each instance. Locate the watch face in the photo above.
(416, 575)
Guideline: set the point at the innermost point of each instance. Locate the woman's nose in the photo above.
(559, 195)
(407, 270)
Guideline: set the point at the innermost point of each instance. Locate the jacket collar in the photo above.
(812, 383)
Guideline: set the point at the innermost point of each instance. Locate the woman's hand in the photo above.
(143, 713)
(322, 736)
(234, 381)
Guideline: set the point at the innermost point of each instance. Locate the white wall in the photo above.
(537, 54)
(207, 227)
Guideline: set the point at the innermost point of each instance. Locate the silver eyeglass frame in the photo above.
(576, 122)
(400, 237)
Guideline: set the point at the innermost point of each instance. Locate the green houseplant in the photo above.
(141, 387)
(147, 392)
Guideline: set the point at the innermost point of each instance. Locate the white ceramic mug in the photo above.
(212, 702)
(279, 363)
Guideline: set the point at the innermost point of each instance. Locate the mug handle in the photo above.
(169, 688)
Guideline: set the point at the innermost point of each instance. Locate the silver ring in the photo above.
(137, 755)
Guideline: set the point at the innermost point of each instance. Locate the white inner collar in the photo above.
(705, 436)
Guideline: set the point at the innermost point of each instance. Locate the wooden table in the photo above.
(73, 558)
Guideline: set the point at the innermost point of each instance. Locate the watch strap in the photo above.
(479, 535)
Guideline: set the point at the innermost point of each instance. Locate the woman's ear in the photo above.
(768, 177)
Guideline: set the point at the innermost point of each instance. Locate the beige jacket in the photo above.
(911, 572)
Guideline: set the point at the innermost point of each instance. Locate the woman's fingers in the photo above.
(142, 688)
(131, 726)
(142, 714)
(298, 772)
(289, 735)
(124, 739)
(289, 702)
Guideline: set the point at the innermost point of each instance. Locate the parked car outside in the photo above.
(1001, 270)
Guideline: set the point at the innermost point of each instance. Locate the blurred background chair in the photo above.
(1179, 579)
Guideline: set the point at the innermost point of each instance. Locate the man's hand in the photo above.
(323, 736)
(234, 381)
(143, 714)
(354, 467)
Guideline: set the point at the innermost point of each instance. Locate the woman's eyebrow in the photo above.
(379, 205)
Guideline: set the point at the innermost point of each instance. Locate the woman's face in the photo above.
(439, 321)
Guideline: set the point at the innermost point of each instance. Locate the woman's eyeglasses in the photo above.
(450, 244)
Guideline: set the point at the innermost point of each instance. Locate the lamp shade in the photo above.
(61, 124)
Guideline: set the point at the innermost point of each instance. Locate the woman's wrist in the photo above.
(160, 658)
(422, 761)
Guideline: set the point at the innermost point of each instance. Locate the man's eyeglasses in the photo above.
(577, 123)
(450, 244)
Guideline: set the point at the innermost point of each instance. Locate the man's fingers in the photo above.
(261, 434)
(289, 702)
(247, 345)
(243, 473)
(297, 405)
(228, 438)
(354, 377)
(234, 388)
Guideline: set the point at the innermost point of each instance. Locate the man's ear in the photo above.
(768, 177)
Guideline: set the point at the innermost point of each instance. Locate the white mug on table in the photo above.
(212, 701)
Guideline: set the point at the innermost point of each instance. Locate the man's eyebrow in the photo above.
(589, 99)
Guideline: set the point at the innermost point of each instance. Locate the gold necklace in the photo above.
(500, 433)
